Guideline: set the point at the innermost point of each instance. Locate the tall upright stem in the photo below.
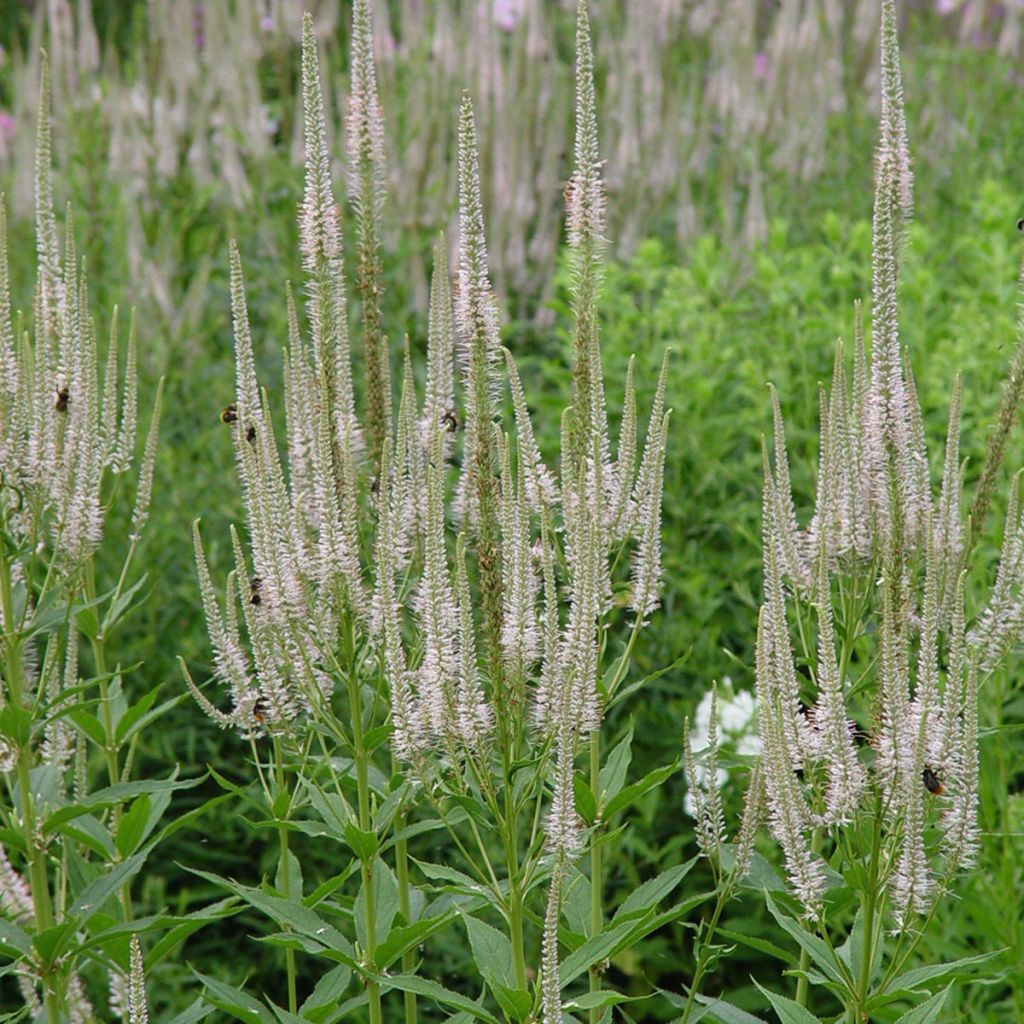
(286, 875)
(39, 883)
(365, 825)
(596, 870)
(405, 906)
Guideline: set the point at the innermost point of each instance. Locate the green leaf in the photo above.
(599, 999)
(16, 724)
(132, 825)
(404, 937)
(928, 1011)
(96, 894)
(817, 948)
(437, 992)
(328, 991)
(636, 790)
(362, 844)
(653, 891)
(111, 796)
(514, 1002)
(789, 1012)
(492, 951)
(586, 804)
(756, 942)
(14, 940)
(385, 900)
(234, 1001)
(613, 773)
(288, 879)
(89, 724)
(917, 977)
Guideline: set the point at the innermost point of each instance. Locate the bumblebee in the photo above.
(62, 399)
(260, 709)
(250, 435)
(931, 782)
(450, 421)
(254, 590)
(229, 414)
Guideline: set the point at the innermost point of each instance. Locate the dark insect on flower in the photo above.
(250, 435)
(260, 710)
(1020, 225)
(450, 420)
(62, 400)
(375, 486)
(254, 590)
(931, 782)
(229, 414)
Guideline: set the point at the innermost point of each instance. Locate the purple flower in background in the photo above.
(507, 14)
(7, 126)
(761, 65)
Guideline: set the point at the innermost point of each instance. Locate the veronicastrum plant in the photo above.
(868, 663)
(75, 829)
(420, 635)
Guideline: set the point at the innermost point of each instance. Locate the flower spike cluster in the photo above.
(443, 561)
(885, 726)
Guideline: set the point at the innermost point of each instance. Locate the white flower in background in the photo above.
(736, 726)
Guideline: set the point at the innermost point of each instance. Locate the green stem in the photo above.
(805, 959)
(405, 907)
(286, 875)
(39, 883)
(365, 825)
(868, 901)
(596, 873)
(705, 952)
(515, 894)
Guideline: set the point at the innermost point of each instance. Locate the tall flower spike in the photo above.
(144, 493)
(124, 453)
(47, 248)
(366, 159)
(647, 566)
(585, 207)
(621, 512)
(439, 400)
(438, 613)
(520, 638)
(890, 428)
(477, 321)
(138, 1008)
(788, 814)
(474, 715)
(785, 514)
(845, 773)
(322, 259)
(894, 123)
(551, 987)
(541, 489)
(961, 835)
(10, 374)
(1013, 391)
(407, 735)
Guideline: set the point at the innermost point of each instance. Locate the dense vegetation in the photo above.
(737, 315)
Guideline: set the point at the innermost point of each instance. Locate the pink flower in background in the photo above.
(7, 126)
(761, 65)
(507, 13)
